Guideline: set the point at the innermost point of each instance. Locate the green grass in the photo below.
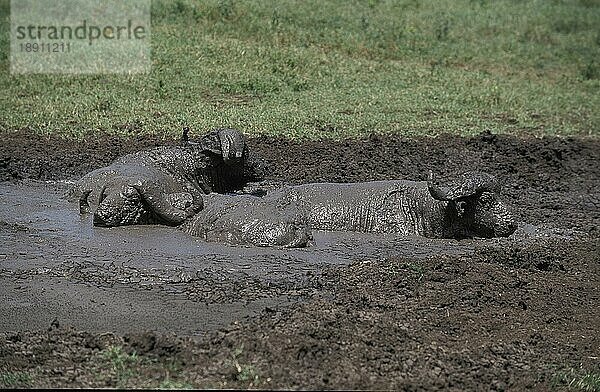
(578, 380)
(245, 373)
(131, 370)
(337, 68)
(411, 270)
(15, 380)
(122, 364)
(588, 382)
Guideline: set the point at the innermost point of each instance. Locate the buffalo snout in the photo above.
(119, 207)
(491, 217)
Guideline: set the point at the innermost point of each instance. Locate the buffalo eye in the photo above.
(486, 198)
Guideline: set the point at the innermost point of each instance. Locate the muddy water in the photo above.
(55, 265)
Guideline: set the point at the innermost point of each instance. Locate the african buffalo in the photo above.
(166, 184)
(467, 207)
(272, 220)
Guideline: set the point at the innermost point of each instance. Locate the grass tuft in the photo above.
(122, 364)
(15, 380)
(578, 380)
(245, 373)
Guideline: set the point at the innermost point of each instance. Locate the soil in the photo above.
(151, 306)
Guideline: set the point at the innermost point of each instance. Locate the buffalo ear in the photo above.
(185, 138)
(469, 184)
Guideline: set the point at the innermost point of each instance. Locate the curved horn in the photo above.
(469, 184)
(211, 142)
(477, 182)
(436, 192)
(232, 143)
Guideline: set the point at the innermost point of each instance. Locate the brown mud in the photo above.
(354, 311)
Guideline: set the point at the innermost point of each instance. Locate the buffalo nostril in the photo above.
(130, 193)
(99, 220)
(102, 221)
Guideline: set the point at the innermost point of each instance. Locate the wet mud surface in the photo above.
(352, 311)
(182, 275)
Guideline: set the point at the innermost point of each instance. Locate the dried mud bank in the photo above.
(354, 312)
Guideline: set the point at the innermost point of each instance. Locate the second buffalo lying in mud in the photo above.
(276, 219)
(468, 207)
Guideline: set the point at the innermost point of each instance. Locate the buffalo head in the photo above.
(120, 205)
(474, 206)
